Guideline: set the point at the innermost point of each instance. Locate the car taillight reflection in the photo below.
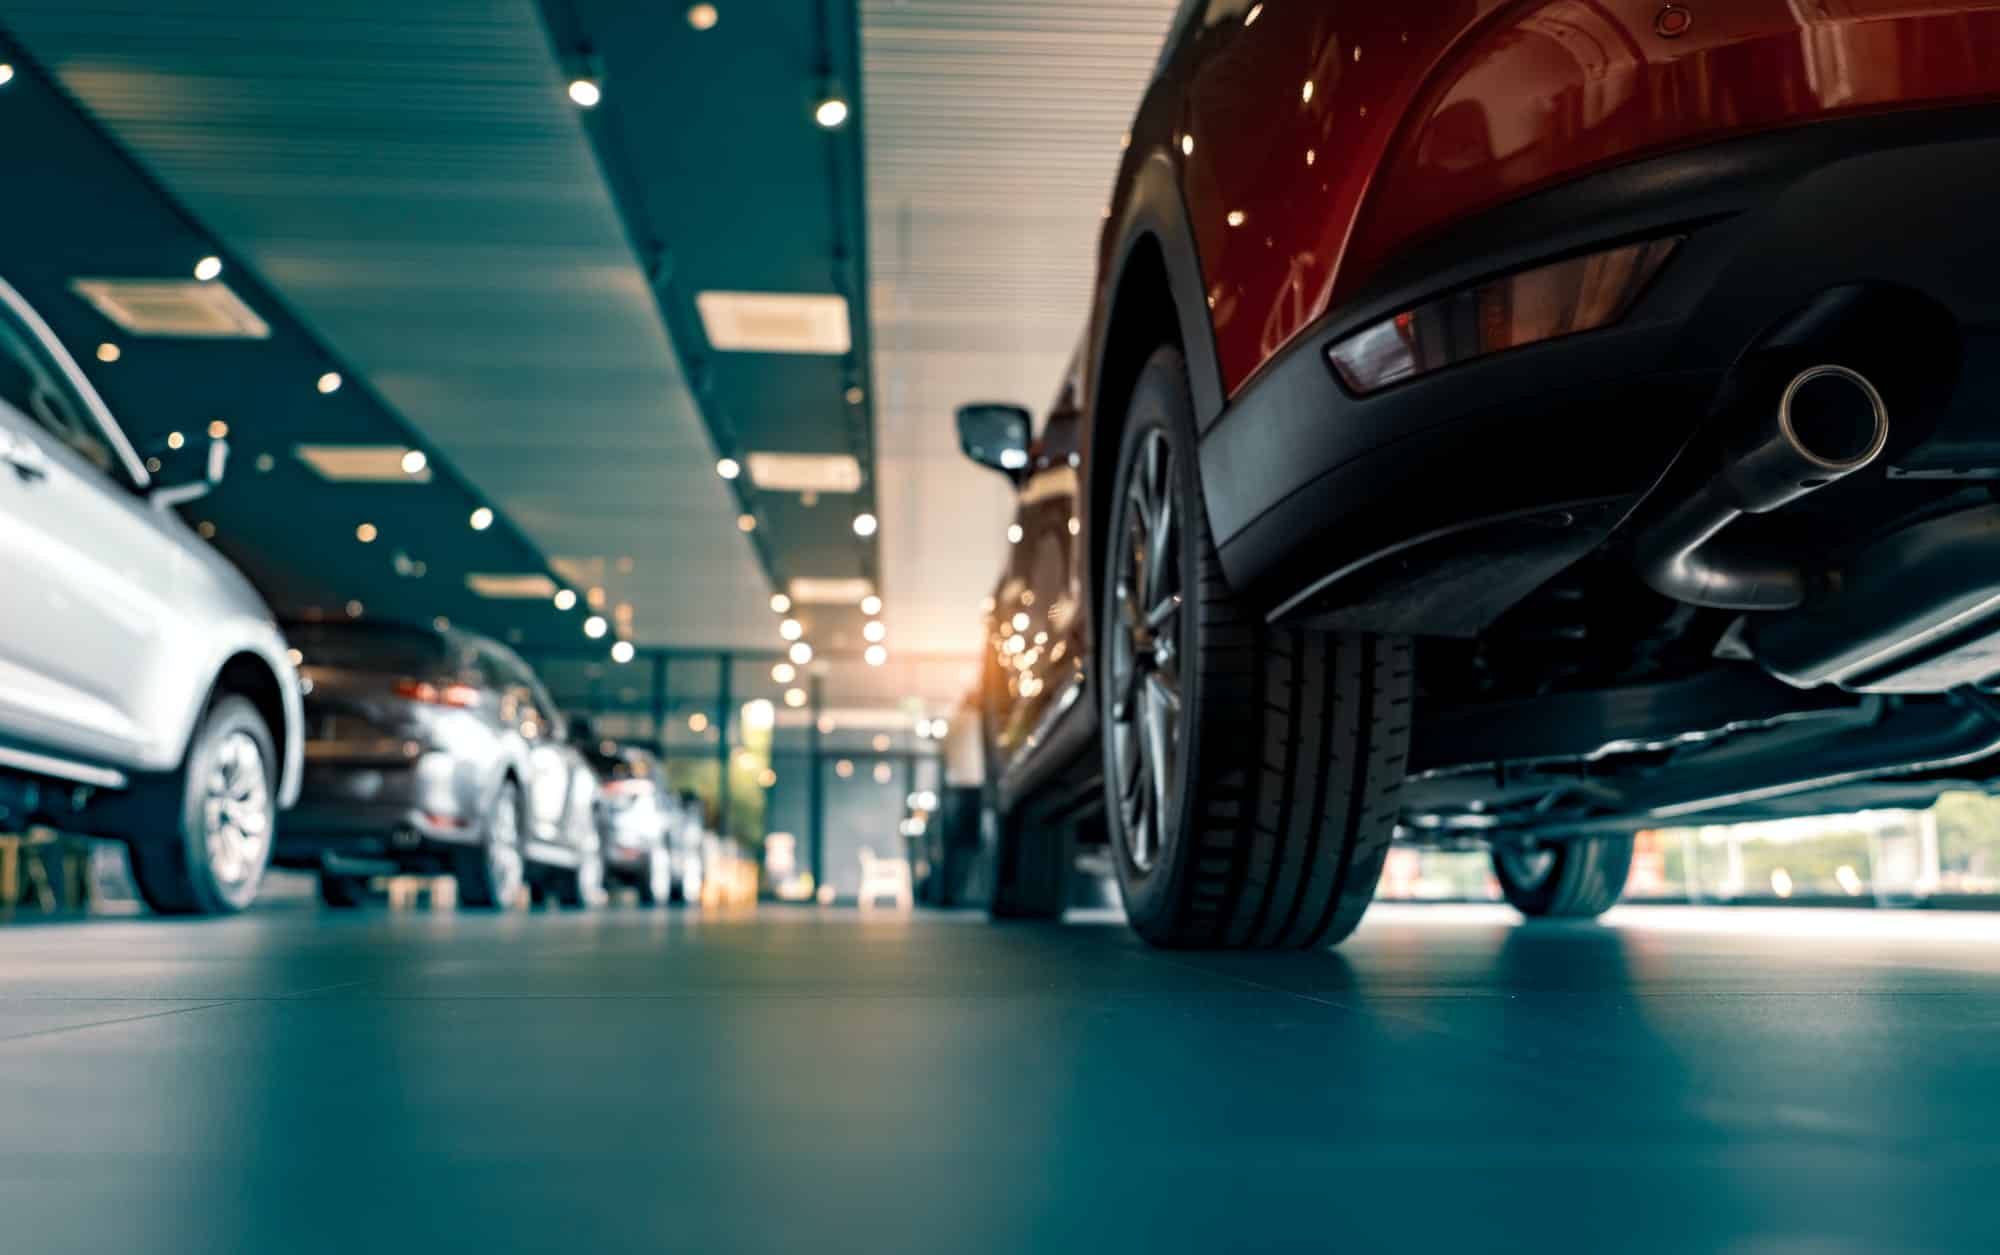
(460, 695)
(1581, 294)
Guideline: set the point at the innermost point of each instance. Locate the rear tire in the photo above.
(204, 837)
(342, 892)
(490, 874)
(1252, 773)
(1579, 879)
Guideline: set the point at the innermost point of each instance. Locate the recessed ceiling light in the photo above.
(800, 653)
(873, 630)
(217, 429)
(826, 725)
(7, 72)
(366, 533)
(702, 16)
(482, 518)
(415, 461)
(363, 463)
(179, 308)
(585, 92)
(791, 629)
(864, 525)
(784, 673)
(510, 585)
(697, 722)
(746, 522)
(854, 394)
(871, 605)
(775, 322)
(175, 440)
(780, 603)
(207, 529)
(354, 609)
(881, 742)
(831, 112)
(795, 698)
(728, 468)
(1187, 145)
(1013, 533)
(805, 472)
(622, 652)
(329, 382)
(207, 268)
(108, 352)
(595, 626)
(875, 655)
(565, 599)
(810, 590)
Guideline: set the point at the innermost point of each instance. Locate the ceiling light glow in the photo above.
(791, 629)
(565, 599)
(108, 352)
(831, 112)
(415, 461)
(622, 652)
(703, 17)
(207, 268)
(873, 630)
(329, 382)
(780, 603)
(366, 533)
(482, 518)
(728, 468)
(746, 522)
(875, 655)
(795, 698)
(871, 605)
(784, 673)
(595, 627)
(585, 92)
(800, 653)
(865, 525)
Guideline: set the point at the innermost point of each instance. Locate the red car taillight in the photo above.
(460, 695)
(1530, 307)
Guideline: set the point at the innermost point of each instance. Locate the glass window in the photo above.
(31, 382)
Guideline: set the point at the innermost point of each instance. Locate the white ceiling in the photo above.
(992, 136)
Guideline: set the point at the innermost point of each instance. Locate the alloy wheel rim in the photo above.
(1146, 652)
(237, 815)
(503, 851)
(1529, 866)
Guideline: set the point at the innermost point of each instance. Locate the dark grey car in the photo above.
(436, 752)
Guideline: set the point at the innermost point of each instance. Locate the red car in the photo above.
(1508, 424)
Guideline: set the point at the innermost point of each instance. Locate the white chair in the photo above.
(885, 875)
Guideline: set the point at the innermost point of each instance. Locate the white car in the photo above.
(144, 689)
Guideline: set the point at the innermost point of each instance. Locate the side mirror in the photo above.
(168, 495)
(995, 436)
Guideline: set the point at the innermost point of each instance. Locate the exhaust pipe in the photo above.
(1829, 423)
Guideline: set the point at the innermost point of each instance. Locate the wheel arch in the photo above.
(249, 675)
(1156, 299)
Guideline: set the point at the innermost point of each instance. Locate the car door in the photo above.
(1039, 618)
(549, 771)
(90, 618)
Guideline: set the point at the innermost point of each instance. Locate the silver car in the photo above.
(437, 752)
(144, 689)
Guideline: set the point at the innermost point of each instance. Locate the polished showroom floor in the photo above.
(1675, 1080)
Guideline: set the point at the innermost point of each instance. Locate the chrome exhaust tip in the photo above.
(1829, 422)
(1834, 418)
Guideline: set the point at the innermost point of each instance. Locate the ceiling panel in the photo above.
(993, 131)
(409, 175)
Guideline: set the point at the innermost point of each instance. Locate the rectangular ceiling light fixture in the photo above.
(775, 322)
(516, 587)
(362, 463)
(805, 472)
(810, 591)
(185, 308)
